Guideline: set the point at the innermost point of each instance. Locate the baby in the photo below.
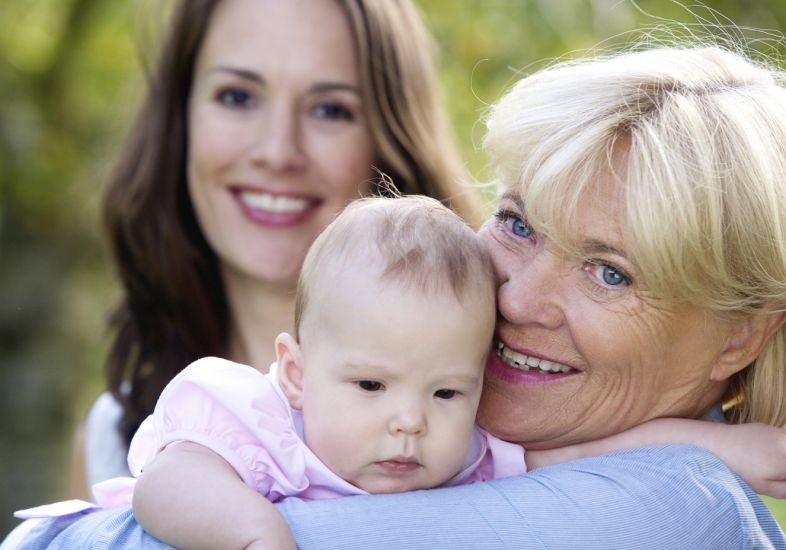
(376, 392)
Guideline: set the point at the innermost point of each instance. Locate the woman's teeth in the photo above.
(525, 362)
(275, 204)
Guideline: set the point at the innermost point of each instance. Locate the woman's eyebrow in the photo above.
(595, 246)
(241, 73)
(319, 87)
(322, 87)
(589, 246)
(513, 196)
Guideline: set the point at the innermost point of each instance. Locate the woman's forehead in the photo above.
(576, 207)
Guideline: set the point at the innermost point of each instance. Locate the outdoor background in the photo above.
(70, 78)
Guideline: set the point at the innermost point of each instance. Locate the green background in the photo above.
(69, 80)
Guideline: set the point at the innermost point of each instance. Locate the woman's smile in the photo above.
(514, 367)
(530, 362)
(275, 209)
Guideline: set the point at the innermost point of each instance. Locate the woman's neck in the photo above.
(259, 311)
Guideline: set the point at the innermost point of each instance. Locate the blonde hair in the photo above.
(417, 242)
(703, 131)
(410, 129)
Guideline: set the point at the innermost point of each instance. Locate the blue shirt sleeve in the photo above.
(656, 497)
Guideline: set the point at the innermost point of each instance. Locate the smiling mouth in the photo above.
(275, 204)
(528, 363)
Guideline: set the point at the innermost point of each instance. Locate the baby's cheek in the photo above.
(457, 441)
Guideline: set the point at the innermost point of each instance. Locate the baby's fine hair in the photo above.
(413, 240)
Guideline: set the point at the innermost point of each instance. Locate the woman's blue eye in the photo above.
(234, 98)
(520, 228)
(333, 111)
(610, 275)
(515, 224)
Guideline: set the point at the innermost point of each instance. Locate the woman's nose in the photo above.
(531, 289)
(278, 145)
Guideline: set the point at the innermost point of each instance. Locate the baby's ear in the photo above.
(290, 369)
(745, 343)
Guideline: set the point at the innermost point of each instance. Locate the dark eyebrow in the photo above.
(322, 87)
(242, 73)
(319, 87)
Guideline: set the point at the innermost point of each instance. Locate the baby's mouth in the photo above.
(399, 465)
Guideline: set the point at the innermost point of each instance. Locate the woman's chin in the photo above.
(495, 417)
(274, 272)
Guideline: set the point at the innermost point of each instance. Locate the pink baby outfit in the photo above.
(243, 416)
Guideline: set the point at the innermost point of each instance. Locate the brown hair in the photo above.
(400, 94)
(413, 241)
(174, 310)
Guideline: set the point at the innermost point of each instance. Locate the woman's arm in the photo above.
(756, 452)
(657, 497)
(190, 497)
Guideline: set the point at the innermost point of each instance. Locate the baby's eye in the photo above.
(370, 385)
(514, 223)
(445, 394)
(610, 276)
(333, 111)
(234, 97)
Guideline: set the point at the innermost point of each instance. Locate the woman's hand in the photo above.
(757, 453)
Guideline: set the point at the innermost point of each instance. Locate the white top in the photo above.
(105, 450)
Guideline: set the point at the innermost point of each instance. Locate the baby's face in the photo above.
(392, 383)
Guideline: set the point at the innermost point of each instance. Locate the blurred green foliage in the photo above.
(70, 78)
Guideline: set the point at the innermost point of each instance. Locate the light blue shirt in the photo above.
(664, 497)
